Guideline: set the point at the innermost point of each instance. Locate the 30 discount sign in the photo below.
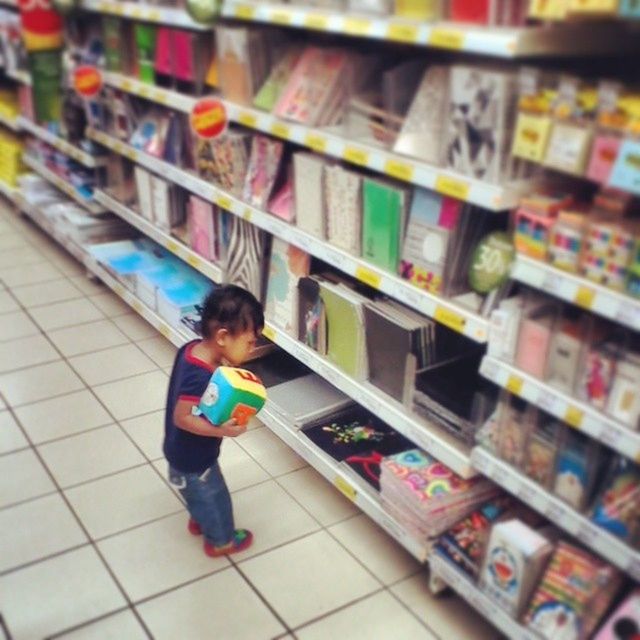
(208, 118)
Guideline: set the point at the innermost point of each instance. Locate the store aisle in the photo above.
(93, 541)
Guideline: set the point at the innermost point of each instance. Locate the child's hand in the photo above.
(232, 429)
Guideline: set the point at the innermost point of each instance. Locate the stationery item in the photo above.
(143, 186)
(113, 29)
(603, 157)
(531, 136)
(479, 121)
(515, 558)
(163, 55)
(566, 242)
(568, 148)
(624, 622)
(264, 164)
(626, 169)
(344, 206)
(368, 466)
(201, 224)
(630, 9)
(245, 250)
(576, 468)
(596, 376)
(224, 160)
(575, 590)
(563, 363)
(145, 38)
(541, 450)
(535, 338)
(286, 266)
(421, 133)
(270, 92)
(617, 506)
(282, 203)
(312, 323)
(532, 232)
(516, 421)
(624, 398)
(384, 212)
(168, 203)
(504, 327)
(432, 220)
(477, 12)
(309, 192)
(633, 277)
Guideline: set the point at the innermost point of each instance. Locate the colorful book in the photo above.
(343, 190)
(264, 164)
(201, 223)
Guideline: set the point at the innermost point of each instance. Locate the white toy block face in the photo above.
(210, 396)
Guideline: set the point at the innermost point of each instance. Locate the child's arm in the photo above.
(183, 418)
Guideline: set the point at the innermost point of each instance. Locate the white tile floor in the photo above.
(93, 543)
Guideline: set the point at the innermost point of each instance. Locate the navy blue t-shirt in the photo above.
(185, 451)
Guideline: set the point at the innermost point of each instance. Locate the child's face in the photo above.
(236, 349)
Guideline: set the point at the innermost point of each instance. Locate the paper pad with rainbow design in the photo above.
(232, 393)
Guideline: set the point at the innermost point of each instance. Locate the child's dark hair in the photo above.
(232, 308)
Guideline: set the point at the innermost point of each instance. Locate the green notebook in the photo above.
(384, 206)
(145, 36)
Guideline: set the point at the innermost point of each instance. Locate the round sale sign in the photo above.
(491, 262)
(87, 81)
(208, 118)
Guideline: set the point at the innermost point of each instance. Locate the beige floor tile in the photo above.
(90, 287)
(220, 606)
(11, 436)
(158, 556)
(254, 509)
(38, 383)
(283, 576)
(326, 504)
(270, 452)
(448, 616)
(378, 616)
(86, 338)
(134, 396)
(22, 478)
(16, 276)
(160, 350)
(114, 363)
(119, 626)
(132, 497)
(381, 554)
(43, 293)
(57, 594)
(12, 241)
(90, 455)
(147, 432)
(20, 258)
(62, 416)
(68, 264)
(26, 352)
(16, 324)
(111, 305)
(36, 529)
(135, 327)
(239, 468)
(7, 303)
(66, 314)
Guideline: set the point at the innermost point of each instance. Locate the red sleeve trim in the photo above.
(191, 359)
(193, 399)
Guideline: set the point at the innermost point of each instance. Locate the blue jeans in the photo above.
(208, 502)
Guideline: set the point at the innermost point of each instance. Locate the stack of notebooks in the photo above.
(426, 496)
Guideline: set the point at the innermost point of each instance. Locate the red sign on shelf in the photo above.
(208, 118)
(87, 81)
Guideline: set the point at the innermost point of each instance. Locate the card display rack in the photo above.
(561, 514)
(442, 310)
(501, 42)
(450, 183)
(593, 297)
(62, 145)
(92, 207)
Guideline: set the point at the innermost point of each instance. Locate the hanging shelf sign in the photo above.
(87, 81)
(208, 118)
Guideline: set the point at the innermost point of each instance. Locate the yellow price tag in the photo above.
(136, 13)
(159, 97)
(452, 187)
(364, 274)
(357, 26)
(119, 289)
(165, 330)
(154, 16)
(316, 21)
(281, 17)
(172, 246)
(357, 156)
(450, 319)
(247, 119)
(316, 142)
(137, 306)
(514, 384)
(245, 11)
(584, 297)
(573, 417)
(400, 170)
(446, 38)
(345, 488)
(269, 333)
(280, 129)
(194, 261)
(247, 214)
(224, 202)
(131, 154)
(402, 32)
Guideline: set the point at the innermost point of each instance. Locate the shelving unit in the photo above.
(558, 512)
(450, 183)
(10, 123)
(19, 76)
(461, 584)
(445, 311)
(146, 12)
(91, 206)
(574, 412)
(505, 42)
(606, 302)
(7, 191)
(347, 483)
(67, 148)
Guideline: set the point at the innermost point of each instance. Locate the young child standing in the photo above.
(232, 320)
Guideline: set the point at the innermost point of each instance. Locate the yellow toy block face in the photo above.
(244, 380)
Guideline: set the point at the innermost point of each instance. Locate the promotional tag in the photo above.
(208, 118)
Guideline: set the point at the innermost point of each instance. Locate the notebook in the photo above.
(343, 189)
(312, 321)
(309, 187)
(264, 164)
